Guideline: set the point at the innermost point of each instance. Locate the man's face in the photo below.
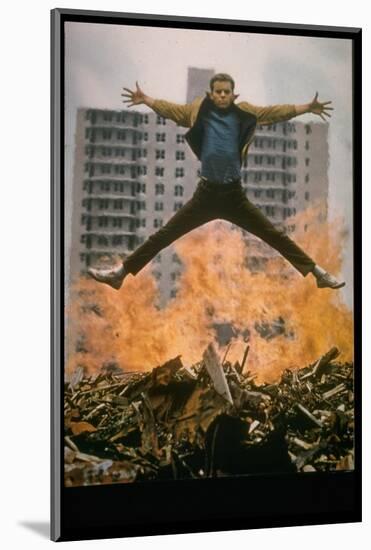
(222, 94)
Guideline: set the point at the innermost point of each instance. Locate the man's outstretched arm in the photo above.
(178, 113)
(280, 113)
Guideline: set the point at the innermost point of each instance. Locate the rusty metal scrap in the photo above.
(208, 419)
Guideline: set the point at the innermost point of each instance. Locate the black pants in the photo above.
(212, 201)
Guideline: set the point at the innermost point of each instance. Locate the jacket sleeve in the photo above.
(271, 113)
(181, 114)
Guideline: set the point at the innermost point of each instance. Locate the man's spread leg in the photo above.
(249, 217)
(194, 213)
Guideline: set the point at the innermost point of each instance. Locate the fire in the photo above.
(128, 329)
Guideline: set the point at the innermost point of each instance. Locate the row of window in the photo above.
(103, 221)
(175, 258)
(161, 154)
(108, 168)
(174, 275)
(274, 193)
(92, 151)
(271, 210)
(104, 204)
(271, 160)
(253, 177)
(103, 240)
(160, 189)
(105, 134)
(160, 205)
(116, 186)
(286, 127)
(94, 116)
(270, 142)
(160, 171)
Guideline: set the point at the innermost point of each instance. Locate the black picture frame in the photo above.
(222, 504)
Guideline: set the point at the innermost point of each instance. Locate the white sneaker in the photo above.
(112, 277)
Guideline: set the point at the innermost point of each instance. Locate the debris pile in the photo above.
(207, 420)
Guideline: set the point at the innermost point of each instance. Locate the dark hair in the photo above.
(223, 77)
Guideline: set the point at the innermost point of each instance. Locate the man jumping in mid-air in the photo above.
(220, 134)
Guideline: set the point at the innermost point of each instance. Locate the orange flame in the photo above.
(126, 327)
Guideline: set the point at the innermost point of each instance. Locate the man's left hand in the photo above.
(319, 108)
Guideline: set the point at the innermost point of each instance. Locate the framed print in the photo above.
(206, 268)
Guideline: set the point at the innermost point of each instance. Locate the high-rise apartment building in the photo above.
(133, 170)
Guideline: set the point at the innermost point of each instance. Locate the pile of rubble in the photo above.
(210, 419)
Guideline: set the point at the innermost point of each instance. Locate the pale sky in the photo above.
(267, 69)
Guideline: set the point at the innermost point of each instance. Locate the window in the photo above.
(116, 222)
(159, 205)
(178, 191)
(174, 275)
(307, 195)
(121, 134)
(179, 155)
(140, 170)
(257, 176)
(117, 240)
(175, 258)
(306, 178)
(157, 222)
(103, 221)
(307, 144)
(180, 138)
(160, 120)
(159, 189)
(119, 169)
(179, 172)
(159, 171)
(103, 204)
(160, 154)
(177, 206)
(145, 119)
(105, 186)
(161, 137)
(308, 129)
(145, 136)
(106, 134)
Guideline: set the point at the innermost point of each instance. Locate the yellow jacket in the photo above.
(190, 115)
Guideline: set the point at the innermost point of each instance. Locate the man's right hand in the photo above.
(137, 97)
